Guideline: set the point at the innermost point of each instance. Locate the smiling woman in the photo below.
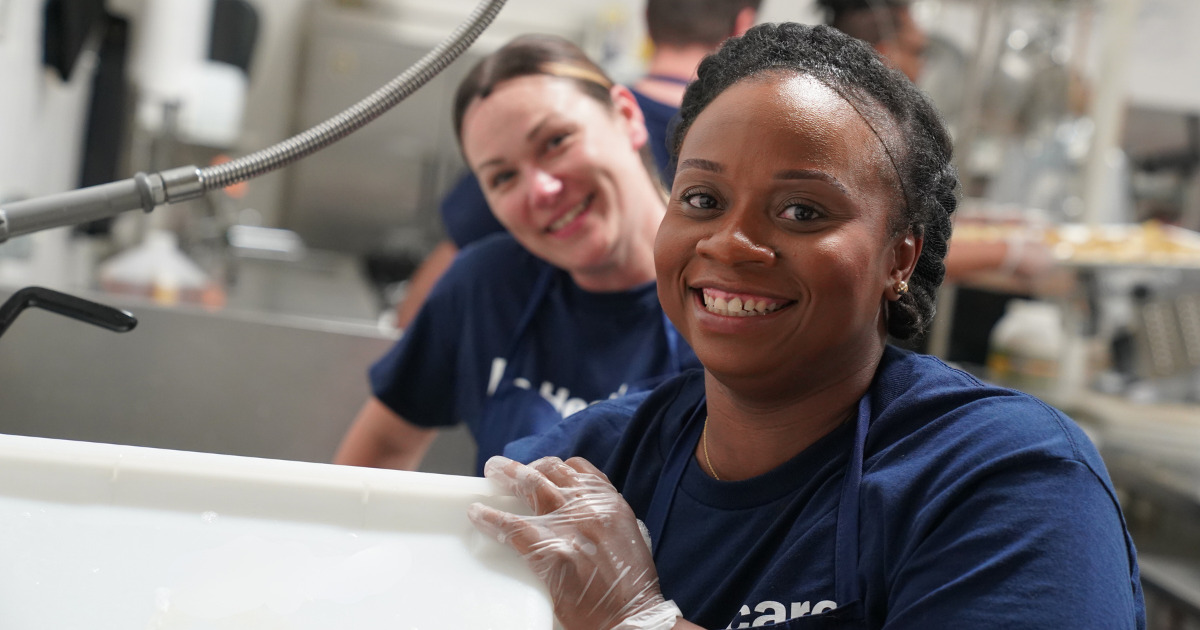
(532, 325)
(812, 476)
(556, 168)
(794, 211)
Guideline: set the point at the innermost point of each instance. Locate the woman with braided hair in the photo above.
(811, 475)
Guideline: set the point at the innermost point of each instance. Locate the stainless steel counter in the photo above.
(234, 382)
(1152, 453)
(323, 285)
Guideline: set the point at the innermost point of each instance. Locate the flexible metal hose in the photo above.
(146, 191)
(359, 114)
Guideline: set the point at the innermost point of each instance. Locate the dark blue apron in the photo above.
(512, 412)
(849, 614)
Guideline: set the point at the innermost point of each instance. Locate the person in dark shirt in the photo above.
(812, 475)
(558, 311)
(683, 32)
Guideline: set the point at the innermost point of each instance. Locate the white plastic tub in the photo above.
(97, 536)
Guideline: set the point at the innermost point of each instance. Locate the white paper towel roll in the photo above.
(172, 35)
(171, 65)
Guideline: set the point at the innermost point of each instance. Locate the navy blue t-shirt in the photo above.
(580, 346)
(465, 212)
(980, 507)
(661, 119)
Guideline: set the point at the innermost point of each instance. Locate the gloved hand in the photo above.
(584, 543)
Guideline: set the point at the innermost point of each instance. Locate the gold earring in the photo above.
(901, 287)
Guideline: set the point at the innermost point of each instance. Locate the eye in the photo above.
(500, 178)
(698, 201)
(556, 142)
(800, 212)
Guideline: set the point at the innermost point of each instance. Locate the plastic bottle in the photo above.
(156, 268)
(1026, 346)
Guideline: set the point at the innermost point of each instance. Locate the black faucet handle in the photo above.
(67, 305)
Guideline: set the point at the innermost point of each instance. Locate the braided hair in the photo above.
(907, 123)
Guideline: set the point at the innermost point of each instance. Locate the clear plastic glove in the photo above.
(584, 543)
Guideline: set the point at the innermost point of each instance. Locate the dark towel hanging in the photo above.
(234, 32)
(107, 122)
(66, 28)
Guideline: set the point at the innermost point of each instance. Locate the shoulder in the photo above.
(495, 261)
(938, 431)
(919, 387)
(465, 213)
(652, 108)
(601, 432)
(990, 495)
(496, 248)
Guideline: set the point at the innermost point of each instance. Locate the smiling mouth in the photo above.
(737, 304)
(570, 215)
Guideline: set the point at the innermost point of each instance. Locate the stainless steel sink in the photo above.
(237, 382)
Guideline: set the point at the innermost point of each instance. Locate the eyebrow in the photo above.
(794, 173)
(704, 165)
(805, 173)
(528, 137)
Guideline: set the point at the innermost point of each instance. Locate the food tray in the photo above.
(98, 536)
(1121, 245)
(1149, 244)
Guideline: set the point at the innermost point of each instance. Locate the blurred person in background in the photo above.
(558, 310)
(994, 272)
(889, 27)
(682, 33)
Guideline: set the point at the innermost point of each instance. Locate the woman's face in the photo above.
(561, 170)
(775, 256)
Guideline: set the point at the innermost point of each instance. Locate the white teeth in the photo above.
(735, 307)
(565, 219)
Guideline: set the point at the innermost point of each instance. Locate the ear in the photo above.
(630, 115)
(906, 249)
(744, 20)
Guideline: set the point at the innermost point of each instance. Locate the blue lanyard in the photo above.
(845, 568)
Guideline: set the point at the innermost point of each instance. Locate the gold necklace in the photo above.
(704, 443)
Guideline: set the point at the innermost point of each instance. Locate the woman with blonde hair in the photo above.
(534, 324)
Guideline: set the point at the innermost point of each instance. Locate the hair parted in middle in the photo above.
(906, 122)
(530, 55)
(540, 55)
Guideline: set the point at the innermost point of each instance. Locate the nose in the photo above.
(738, 237)
(544, 188)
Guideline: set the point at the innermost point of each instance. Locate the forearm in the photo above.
(379, 438)
(423, 280)
(967, 258)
